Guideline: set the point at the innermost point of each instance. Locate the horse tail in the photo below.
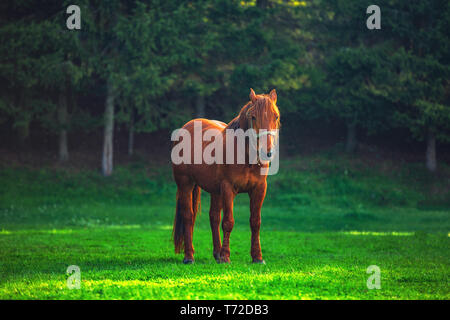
(178, 225)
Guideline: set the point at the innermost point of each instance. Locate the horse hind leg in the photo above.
(185, 219)
(214, 220)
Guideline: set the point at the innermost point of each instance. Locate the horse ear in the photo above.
(252, 95)
(273, 96)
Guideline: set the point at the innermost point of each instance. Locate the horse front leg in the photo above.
(257, 196)
(214, 221)
(228, 195)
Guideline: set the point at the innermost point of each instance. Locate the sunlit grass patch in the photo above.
(140, 264)
(372, 233)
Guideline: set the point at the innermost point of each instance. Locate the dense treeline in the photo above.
(156, 64)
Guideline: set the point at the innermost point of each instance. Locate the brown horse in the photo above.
(224, 181)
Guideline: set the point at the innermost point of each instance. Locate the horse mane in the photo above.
(240, 121)
(236, 122)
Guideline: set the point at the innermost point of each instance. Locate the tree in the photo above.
(155, 50)
(420, 84)
(37, 69)
(353, 58)
(356, 92)
(421, 99)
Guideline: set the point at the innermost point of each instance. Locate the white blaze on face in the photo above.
(267, 142)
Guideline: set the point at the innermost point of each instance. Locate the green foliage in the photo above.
(164, 59)
(420, 70)
(420, 93)
(356, 91)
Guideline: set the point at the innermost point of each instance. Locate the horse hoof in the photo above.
(259, 261)
(188, 261)
(217, 257)
(224, 260)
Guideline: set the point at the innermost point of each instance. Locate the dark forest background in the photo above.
(136, 70)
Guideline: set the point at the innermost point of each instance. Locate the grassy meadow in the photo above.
(326, 218)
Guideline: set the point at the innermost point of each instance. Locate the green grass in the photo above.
(325, 220)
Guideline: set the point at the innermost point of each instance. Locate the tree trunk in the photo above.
(131, 137)
(200, 106)
(107, 157)
(22, 123)
(431, 151)
(351, 138)
(23, 131)
(62, 119)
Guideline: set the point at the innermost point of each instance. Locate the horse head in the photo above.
(261, 115)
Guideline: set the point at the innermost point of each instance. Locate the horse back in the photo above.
(206, 124)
